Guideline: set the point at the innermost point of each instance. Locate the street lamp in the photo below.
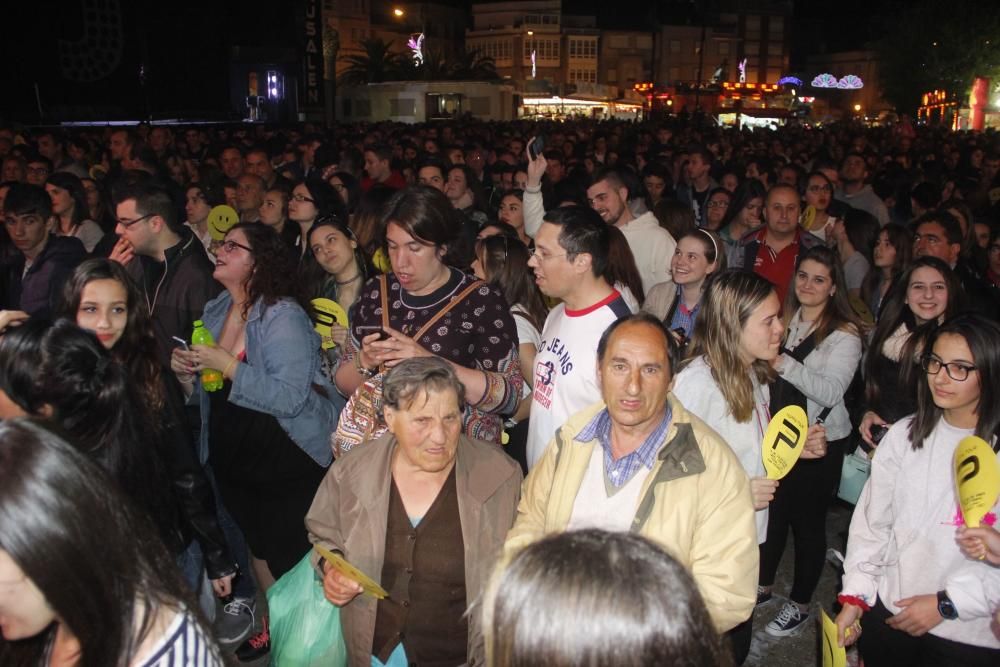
(398, 13)
(857, 108)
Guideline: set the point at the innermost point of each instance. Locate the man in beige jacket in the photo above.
(639, 461)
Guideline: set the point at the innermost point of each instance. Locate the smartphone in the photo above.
(878, 432)
(536, 146)
(367, 330)
(182, 343)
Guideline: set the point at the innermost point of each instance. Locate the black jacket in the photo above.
(176, 290)
(38, 291)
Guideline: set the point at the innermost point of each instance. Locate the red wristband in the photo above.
(855, 600)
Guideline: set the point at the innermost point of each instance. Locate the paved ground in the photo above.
(801, 650)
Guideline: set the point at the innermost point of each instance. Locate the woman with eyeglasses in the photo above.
(910, 595)
(312, 199)
(818, 195)
(927, 293)
(266, 432)
(475, 332)
(503, 262)
(716, 206)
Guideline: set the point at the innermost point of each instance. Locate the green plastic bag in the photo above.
(305, 626)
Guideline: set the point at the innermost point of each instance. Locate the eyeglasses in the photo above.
(956, 370)
(929, 239)
(229, 246)
(543, 258)
(816, 189)
(128, 223)
(302, 198)
(718, 203)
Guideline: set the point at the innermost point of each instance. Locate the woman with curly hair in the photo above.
(266, 432)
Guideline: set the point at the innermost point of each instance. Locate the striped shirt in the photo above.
(184, 644)
(621, 471)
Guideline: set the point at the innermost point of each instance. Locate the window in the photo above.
(675, 46)
(752, 48)
(644, 42)
(402, 106)
(675, 73)
(618, 42)
(776, 26)
(723, 48)
(612, 75)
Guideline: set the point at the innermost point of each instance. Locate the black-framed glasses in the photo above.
(128, 223)
(302, 198)
(229, 246)
(956, 370)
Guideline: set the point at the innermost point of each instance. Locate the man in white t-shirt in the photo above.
(569, 261)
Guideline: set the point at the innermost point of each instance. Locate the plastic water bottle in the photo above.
(211, 378)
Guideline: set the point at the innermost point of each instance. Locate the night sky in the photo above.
(186, 44)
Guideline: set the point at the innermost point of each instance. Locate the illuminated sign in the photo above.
(416, 45)
(849, 82)
(533, 63)
(743, 70)
(790, 81)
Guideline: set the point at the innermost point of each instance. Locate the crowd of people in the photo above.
(520, 374)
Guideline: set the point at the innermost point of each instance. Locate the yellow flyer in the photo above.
(977, 478)
(784, 440)
(338, 563)
(833, 655)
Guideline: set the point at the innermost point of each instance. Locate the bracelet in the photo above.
(229, 367)
(364, 372)
(855, 600)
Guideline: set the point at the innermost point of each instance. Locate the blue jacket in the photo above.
(282, 378)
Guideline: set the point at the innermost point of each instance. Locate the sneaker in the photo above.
(788, 621)
(235, 623)
(257, 646)
(763, 596)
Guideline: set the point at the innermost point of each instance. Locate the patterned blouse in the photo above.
(477, 333)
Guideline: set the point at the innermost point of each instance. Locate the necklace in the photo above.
(348, 281)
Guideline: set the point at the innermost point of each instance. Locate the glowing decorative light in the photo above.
(850, 82)
(416, 44)
(825, 81)
(397, 12)
(743, 70)
(790, 81)
(533, 68)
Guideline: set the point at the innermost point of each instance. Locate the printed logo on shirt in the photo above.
(544, 383)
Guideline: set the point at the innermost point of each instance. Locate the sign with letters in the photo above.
(784, 440)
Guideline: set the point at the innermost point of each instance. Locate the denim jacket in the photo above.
(283, 365)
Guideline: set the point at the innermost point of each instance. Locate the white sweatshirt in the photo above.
(902, 537)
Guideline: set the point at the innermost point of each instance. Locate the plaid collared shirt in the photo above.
(621, 471)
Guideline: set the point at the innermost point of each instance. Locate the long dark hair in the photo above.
(274, 275)
(901, 239)
(896, 313)
(505, 264)
(136, 349)
(838, 313)
(621, 266)
(551, 607)
(982, 335)
(96, 559)
(74, 186)
(748, 190)
(64, 373)
(314, 278)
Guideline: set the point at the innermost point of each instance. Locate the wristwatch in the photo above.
(946, 607)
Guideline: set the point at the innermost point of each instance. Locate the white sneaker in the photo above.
(788, 621)
(235, 623)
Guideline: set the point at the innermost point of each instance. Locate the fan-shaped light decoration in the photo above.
(850, 82)
(825, 81)
(790, 81)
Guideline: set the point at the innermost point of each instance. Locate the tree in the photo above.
(473, 66)
(376, 64)
(932, 45)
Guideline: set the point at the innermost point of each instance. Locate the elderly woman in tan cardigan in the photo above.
(424, 511)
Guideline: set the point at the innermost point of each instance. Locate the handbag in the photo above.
(305, 627)
(361, 419)
(853, 475)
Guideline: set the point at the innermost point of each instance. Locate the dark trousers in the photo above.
(739, 640)
(800, 503)
(881, 646)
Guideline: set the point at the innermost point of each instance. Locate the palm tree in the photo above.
(474, 66)
(377, 63)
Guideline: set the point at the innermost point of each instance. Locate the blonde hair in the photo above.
(729, 300)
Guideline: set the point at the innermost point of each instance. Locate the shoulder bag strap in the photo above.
(451, 304)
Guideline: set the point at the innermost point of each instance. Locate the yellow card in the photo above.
(338, 563)
(327, 312)
(977, 477)
(833, 655)
(220, 220)
(808, 218)
(784, 440)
